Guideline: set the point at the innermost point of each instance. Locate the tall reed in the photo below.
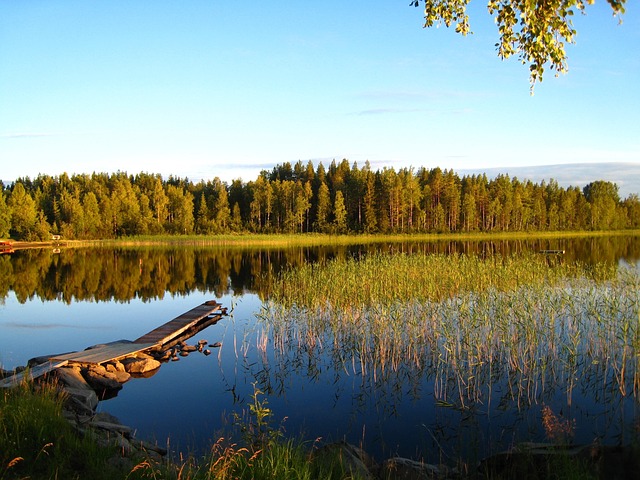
(465, 322)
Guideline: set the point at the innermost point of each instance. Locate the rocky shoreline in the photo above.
(85, 385)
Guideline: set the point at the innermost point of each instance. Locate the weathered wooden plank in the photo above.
(172, 329)
(32, 373)
(105, 353)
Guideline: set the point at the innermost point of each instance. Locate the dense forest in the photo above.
(344, 198)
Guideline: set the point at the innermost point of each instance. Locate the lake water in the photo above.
(54, 302)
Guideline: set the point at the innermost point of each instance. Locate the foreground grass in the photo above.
(37, 442)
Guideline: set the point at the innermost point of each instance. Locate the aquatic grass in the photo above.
(468, 323)
(388, 278)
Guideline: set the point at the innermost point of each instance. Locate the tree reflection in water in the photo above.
(121, 274)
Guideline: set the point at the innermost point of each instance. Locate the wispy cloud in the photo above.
(26, 135)
(396, 111)
(419, 95)
(47, 326)
(386, 111)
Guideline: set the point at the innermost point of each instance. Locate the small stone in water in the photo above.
(215, 345)
(207, 352)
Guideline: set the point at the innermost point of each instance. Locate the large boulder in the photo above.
(140, 364)
(105, 383)
(81, 397)
(82, 401)
(71, 376)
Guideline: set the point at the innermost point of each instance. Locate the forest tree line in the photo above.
(343, 198)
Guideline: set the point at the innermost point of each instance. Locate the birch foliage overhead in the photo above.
(537, 31)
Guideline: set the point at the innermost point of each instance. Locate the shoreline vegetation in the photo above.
(279, 240)
(41, 439)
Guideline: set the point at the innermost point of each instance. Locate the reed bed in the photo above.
(388, 278)
(465, 323)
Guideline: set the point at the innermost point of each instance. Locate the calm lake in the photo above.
(61, 301)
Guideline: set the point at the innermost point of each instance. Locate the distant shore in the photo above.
(307, 239)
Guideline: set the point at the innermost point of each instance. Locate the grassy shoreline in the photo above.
(251, 240)
(36, 441)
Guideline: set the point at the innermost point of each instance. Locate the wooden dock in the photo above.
(173, 329)
(161, 338)
(105, 353)
(31, 373)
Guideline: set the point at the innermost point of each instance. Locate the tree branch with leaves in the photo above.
(534, 30)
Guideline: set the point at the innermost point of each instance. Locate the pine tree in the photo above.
(339, 214)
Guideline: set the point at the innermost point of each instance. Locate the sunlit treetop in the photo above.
(534, 30)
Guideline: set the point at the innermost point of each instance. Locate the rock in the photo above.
(184, 353)
(355, 461)
(189, 348)
(202, 342)
(215, 345)
(71, 376)
(140, 365)
(528, 459)
(207, 352)
(82, 401)
(121, 375)
(117, 365)
(398, 468)
(105, 384)
(162, 356)
(106, 421)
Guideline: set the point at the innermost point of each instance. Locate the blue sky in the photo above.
(201, 89)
